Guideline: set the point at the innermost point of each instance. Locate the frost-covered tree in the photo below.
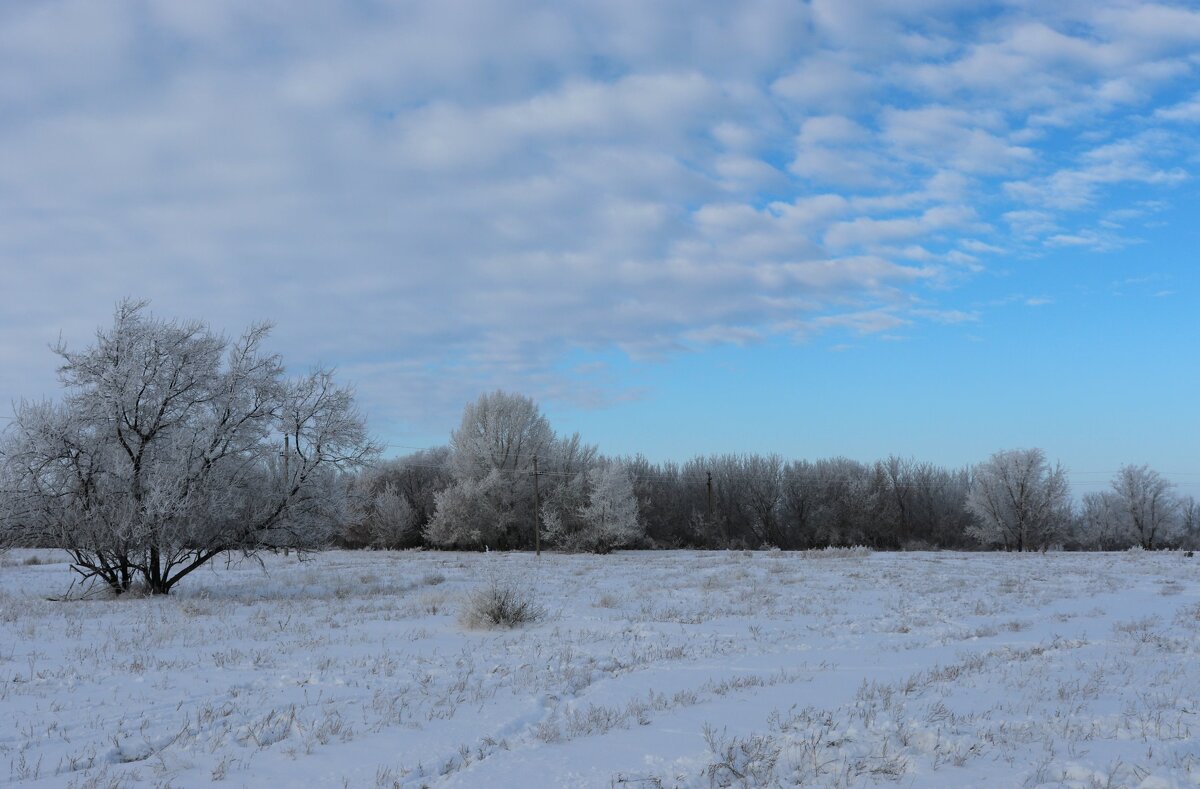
(1146, 503)
(401, 492)
(392, 521)
(608, 519)
(491, 499)
(1100, 523)
(492, 455)
(165, 452)
(1019, 500)
(501, 432)
(564, 486)
(467, 515)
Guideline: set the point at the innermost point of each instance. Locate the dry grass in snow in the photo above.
(675, 669)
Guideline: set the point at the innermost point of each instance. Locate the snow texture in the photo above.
(663, 669)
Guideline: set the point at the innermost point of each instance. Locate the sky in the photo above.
(840, 227)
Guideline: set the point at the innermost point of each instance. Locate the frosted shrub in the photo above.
(500, 603)
(741, 762)
(837, 553)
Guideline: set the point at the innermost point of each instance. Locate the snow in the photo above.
(654, 669)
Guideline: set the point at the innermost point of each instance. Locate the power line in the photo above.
(703, 478)
(1107, 474)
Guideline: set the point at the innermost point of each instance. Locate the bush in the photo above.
(834, 552)
(500, 603)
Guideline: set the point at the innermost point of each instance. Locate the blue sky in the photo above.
(849, 227)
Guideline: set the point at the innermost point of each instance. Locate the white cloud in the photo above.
(1185, 111)
(824, 83)
(862, 323)
(965, 141)
(868, 232)
(948, 316)
(980, 247)
(1127, 160)
(443, 197)
(832, 149)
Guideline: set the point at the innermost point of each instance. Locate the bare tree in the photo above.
(895, 499)
(1101, 524)
(1146, 502)
(1019, 500)
(846, 501)
(800, 500)
(1189, 522)
(670, 500)
(165, 452)
(763, 492)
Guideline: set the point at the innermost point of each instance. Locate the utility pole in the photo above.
(537, 506)
(287, 477)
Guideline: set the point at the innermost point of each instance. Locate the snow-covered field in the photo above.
(650, 669)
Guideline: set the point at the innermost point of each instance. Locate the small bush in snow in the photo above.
(837, 553)
(607, 600)
(501, 603)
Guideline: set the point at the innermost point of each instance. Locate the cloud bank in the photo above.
(445, 196)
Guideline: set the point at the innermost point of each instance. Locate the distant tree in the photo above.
(1101, 523)
(939, 506)
(1189, 522)
(896, 499)
(763, 492)
(800, 499)
(500, 431)
(491, 454)
(671, 501)
(392, 521)
(467, 514)
(1147, 504)
(405, 486)
(165, 452)
(845, 502)
(1019, 500)
(564, 485)
(609, 519)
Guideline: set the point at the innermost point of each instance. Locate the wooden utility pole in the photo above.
(287, 475)
(537, 506)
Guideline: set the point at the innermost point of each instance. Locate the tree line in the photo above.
(172, 445)
(479, 492)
